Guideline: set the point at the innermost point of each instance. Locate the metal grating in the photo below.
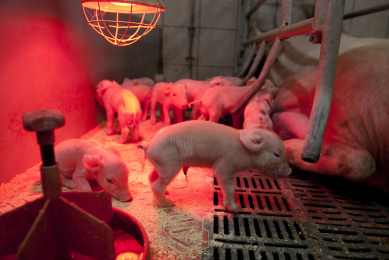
(304, 216)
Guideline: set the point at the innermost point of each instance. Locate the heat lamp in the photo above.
(123, 22)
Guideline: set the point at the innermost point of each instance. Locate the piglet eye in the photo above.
(276, 154)
(174, 94)
(109, 180)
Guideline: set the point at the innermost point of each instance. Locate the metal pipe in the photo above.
(248, 61)
(325, 80)
(261, 79)
(366, 11)
(255, 64)
(191, 34)
(242, 28)
(318, 19)
(246, 51)
(300, 28)
(254, 8)
(286, 10)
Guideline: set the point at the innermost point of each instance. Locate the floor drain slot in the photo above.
(298, 217)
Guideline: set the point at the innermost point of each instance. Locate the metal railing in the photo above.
(325, 28)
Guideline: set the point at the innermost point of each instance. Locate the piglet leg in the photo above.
(152, 112)
(146, 110)
(226, 180)
(159, 179)
(178, 115)
(68, 182)
(135, 133)
(80, 179)
(110, 116)
(166, 115)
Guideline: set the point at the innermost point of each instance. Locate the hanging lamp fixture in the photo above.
(123, 22)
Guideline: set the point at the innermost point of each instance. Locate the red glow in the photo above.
(41, 68)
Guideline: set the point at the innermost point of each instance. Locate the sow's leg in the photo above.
(335, 159)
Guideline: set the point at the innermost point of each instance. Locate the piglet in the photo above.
(80, 161)
(143, 94)
(121, 101)
(159, 78)
(223, 148)
(170, 96)
(217, 102)
(257, 112)
(139, 81)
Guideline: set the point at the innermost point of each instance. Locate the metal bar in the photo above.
(318, 19)
(242, 36)
(248, 61)
(255, 64)
(366, 11)
(261, 79)
(325, 80)
(191, 33)
(254, 8)
(296, 29)
(286, 10)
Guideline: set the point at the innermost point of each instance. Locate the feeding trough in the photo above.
(73, 225)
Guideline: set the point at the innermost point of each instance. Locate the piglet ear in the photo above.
(103, 85)
(269, 99)
(251, 138)
(167, 87)
(112, 149)
(251, 81)
(92, 162)
(183, 84)
(115, 84)
(216, 81)
(268, 127)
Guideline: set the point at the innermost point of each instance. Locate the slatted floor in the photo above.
(304, 216)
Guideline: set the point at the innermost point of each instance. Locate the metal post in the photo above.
(261, 79)
(255, 63)
(242, 36)
(296, 29)
(325, 80)
(366, 11)
(254, 8)
(248, 60)
(191, 34)
(318, 21)
(286, 10)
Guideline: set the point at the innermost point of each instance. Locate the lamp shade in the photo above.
(123, 22)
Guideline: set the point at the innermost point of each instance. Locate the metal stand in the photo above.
(52, 227)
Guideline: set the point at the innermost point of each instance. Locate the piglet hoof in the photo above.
(135, 140)
(233, 208)
(110, 132)
(165, 204)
